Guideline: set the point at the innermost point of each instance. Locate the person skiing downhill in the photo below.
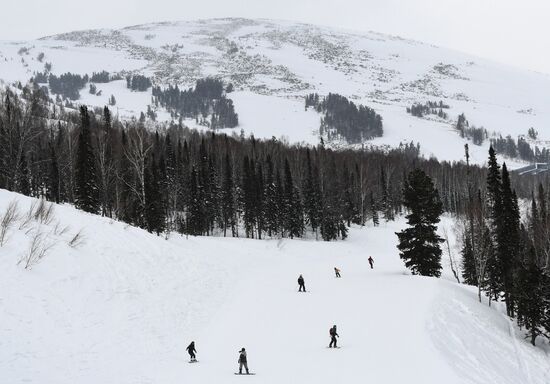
(371, 262)
(333, 335)
(337, 272)
(302, 284)
(242, 361)
(191, 350)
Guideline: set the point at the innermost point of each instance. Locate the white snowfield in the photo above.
(122, 307)
(273, 64)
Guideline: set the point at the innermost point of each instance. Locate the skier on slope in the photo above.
(242, 361)
(302, 284)
(191, 350)
(337, 272)
(333, 335)
(371, 262)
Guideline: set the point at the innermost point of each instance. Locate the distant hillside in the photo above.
(271, 66)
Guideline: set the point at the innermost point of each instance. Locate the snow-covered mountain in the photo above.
(119, 305)
(273, 64)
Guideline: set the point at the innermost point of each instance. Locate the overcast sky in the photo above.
(516, 32)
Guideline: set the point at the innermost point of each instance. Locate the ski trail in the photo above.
(519, 354)
(122, 308)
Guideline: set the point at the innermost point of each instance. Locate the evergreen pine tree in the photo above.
(247, 198)
(196, 209)
(469, 274)
(53, 179)
(292, 206)
(387, 208)
(259, 199)
(271, 205)
(530, 296)
(311, 195)
(154, 209)
(494, 283)
(508, 239)
(23, 181)
(374, 210)
(419, 243)
(86, 189)
(228, 198)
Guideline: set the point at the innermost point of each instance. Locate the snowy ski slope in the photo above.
(122, 307)
(273, 64)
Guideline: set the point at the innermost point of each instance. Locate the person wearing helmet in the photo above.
(302, 284)
(242, 361)
(333, 336)
(371, 262)
(337, 272)
(191, 350)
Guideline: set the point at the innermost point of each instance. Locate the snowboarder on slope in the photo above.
(242, 361)
(333, 336)
(337, 272)
(302, 284)
(371, 262)
(191, 350)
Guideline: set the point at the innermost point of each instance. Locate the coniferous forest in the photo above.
(343, 119)
(172, 179)
(169, 179)
(207, 98)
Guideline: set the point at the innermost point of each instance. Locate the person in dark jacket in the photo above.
(242, 361)
(371, 262)
(333, 336)
(302, 284)
(337, 272)
(191, 350)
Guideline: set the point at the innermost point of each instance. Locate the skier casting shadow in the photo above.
(337, 272)
(242, 361)
(302, 284)
(333, 336)
(191, 350)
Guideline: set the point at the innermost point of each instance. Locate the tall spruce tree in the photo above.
(530, 296)
(271, 205)
(311, 195)
(194, 223)
(508, 239)
(374, 210)
(387, 208)
(259, 199)
(86, 189)
(53, 179)
(228, 198)
(154, 205)
(469, 273)
(494, 282)
(419, 243)
(248, 197)
(293, 209)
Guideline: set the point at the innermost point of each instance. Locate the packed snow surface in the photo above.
(274, 64)
(122, 306)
